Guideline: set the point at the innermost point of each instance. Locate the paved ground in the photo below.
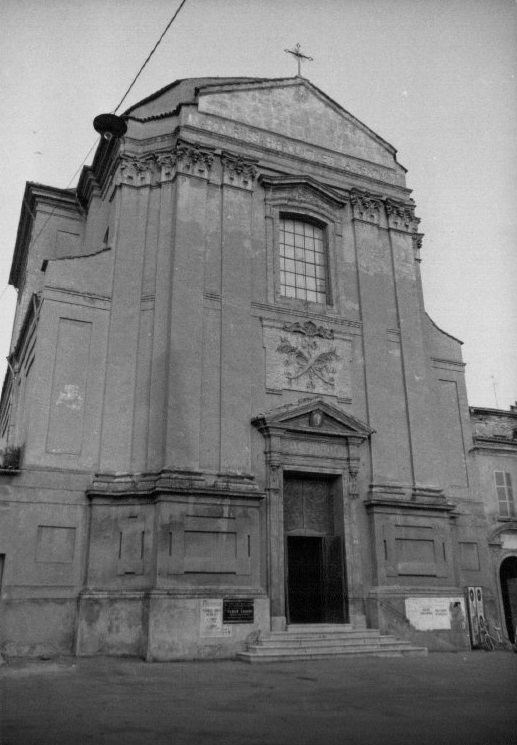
(458, 698)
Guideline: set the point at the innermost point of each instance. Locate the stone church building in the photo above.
(227, 416)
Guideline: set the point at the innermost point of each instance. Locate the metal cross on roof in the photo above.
(299, 56)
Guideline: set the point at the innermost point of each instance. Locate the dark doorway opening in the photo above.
(315, 579)
(508, 577)
(305, 579)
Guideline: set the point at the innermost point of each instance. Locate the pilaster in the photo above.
(128, 243)
(402, 227)
(237, 183)
(192, 171)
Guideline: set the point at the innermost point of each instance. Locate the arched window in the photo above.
(303, 259)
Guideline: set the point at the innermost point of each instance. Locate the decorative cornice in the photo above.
(238, 171)
(177, 482)
(285, 189)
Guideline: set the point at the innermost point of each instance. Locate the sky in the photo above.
(435, 78)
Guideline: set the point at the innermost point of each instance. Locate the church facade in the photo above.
(226, 411)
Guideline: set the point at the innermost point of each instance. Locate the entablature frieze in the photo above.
(271, 144)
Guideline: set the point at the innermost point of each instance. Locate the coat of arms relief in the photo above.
(306, 357)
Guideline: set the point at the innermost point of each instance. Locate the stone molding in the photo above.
(303, 192)
(308, 329)
(152, 486)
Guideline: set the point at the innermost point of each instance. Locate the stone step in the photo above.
(314, 643)
(307, 636)
(301, 628)
(320, 641)
(254, 656)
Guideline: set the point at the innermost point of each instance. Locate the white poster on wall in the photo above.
(427, 614)
(211, 619)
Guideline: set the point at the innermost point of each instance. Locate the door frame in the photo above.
(312, 436)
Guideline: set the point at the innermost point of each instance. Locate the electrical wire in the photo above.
(96, 141)
(150, 55)
(115, 110)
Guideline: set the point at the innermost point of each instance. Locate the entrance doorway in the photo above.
(313, 551)
(508, 577)
(305, 579)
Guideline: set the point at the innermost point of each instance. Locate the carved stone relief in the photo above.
(305, 357)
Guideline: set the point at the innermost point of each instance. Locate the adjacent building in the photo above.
(226, 410)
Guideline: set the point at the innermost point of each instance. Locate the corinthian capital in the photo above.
(401, 216)
(192, 160)
(167, 164)
(134, 170)
(365, 206)
(238, 171)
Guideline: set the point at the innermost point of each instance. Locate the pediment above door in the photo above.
(312, 416)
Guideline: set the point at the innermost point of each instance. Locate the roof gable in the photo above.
(296, 108)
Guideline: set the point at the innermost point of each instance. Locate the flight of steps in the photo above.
(311, 642)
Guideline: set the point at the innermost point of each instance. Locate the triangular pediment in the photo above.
(314, 416)
(295, 108)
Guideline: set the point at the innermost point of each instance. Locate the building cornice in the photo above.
(35, 195)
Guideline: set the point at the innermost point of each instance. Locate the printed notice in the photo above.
(211, 619)
(426, 614)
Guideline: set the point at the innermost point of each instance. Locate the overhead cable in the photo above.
(150, 55)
